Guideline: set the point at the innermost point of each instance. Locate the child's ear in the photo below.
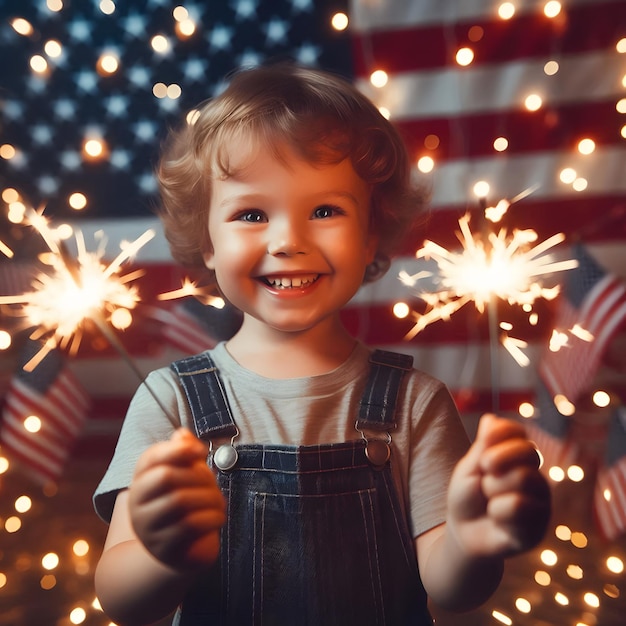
(209, 257)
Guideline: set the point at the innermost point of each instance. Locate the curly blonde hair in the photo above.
(322, 117)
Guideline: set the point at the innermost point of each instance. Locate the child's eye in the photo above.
(326, 210)
(251, 215)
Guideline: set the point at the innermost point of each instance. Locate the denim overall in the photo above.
(315, 535)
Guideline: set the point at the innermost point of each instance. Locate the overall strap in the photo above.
(377, 408)
(206, 396)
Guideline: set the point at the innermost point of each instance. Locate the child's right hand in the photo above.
(175, 504)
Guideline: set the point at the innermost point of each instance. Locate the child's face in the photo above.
(291, 240)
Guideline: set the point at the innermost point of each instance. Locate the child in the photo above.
(333, 472)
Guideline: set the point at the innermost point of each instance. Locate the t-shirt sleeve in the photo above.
(438, 441)
(145, 423)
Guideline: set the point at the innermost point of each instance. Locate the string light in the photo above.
(160, 44)
(552, 8)
(464, 56)
(53, 49)
(339, 21)
(107, 7)
(506, 10)
(22, 27)
(533, 102)
(38, 64)
(575, 572)
(107, 64)
(379, 78)
(615, 565)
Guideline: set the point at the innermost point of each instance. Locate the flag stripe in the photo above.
(473, 135)
(62, 406)
(391, 15)
(529, 35)
(602, 312)
(582, 78)
(32, 445)
(611, 514)
(38, 463)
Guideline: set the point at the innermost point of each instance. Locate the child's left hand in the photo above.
(498, 501)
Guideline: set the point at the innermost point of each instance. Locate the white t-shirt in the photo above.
(426, 445)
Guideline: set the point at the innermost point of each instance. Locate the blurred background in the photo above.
(514, 114)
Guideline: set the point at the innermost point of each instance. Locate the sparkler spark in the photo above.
(72, 291)
(6, 250)
(505, 266)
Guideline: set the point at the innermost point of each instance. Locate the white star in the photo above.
(169, 104)
(194, 69)
(42, 134)
(145, 130)
(220, 37)
(70, 160)
(86, 81)
(19, 161)
(147, 183)
(276, 30)
(250, 58)
(36, 84)
(117, 105)
(244, 9)
(119, 159)
(302, 5)
(12, 110)
(79, 30)
(64, 109)
(138, 76)
(134, 24)
(47, 184)
(307, 54)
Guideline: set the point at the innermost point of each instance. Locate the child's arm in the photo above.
(164, 529)
(498, 506)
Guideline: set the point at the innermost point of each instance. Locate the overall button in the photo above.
(377, 452)
(225, 457)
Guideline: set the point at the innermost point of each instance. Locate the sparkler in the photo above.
(74, 291)
(489, 266)
(505, 266)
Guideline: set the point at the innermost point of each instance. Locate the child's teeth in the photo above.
(287, 282)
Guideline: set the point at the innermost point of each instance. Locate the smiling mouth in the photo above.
(290, 282)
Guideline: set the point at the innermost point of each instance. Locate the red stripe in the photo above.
(41, 445)
(49, 437)
(40, 471)
(611, 515)
(55, 412)
(529, 35)
(22, 406)
(551, 128)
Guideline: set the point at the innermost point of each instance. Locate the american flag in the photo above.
(446, 111)
(610, 491)
(594, 302)
(550, 431)
(52, 398)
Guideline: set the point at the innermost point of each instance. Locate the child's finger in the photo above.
(181, 449)
(509, 454)
(491, 431)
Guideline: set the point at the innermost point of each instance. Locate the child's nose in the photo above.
(287, 238)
